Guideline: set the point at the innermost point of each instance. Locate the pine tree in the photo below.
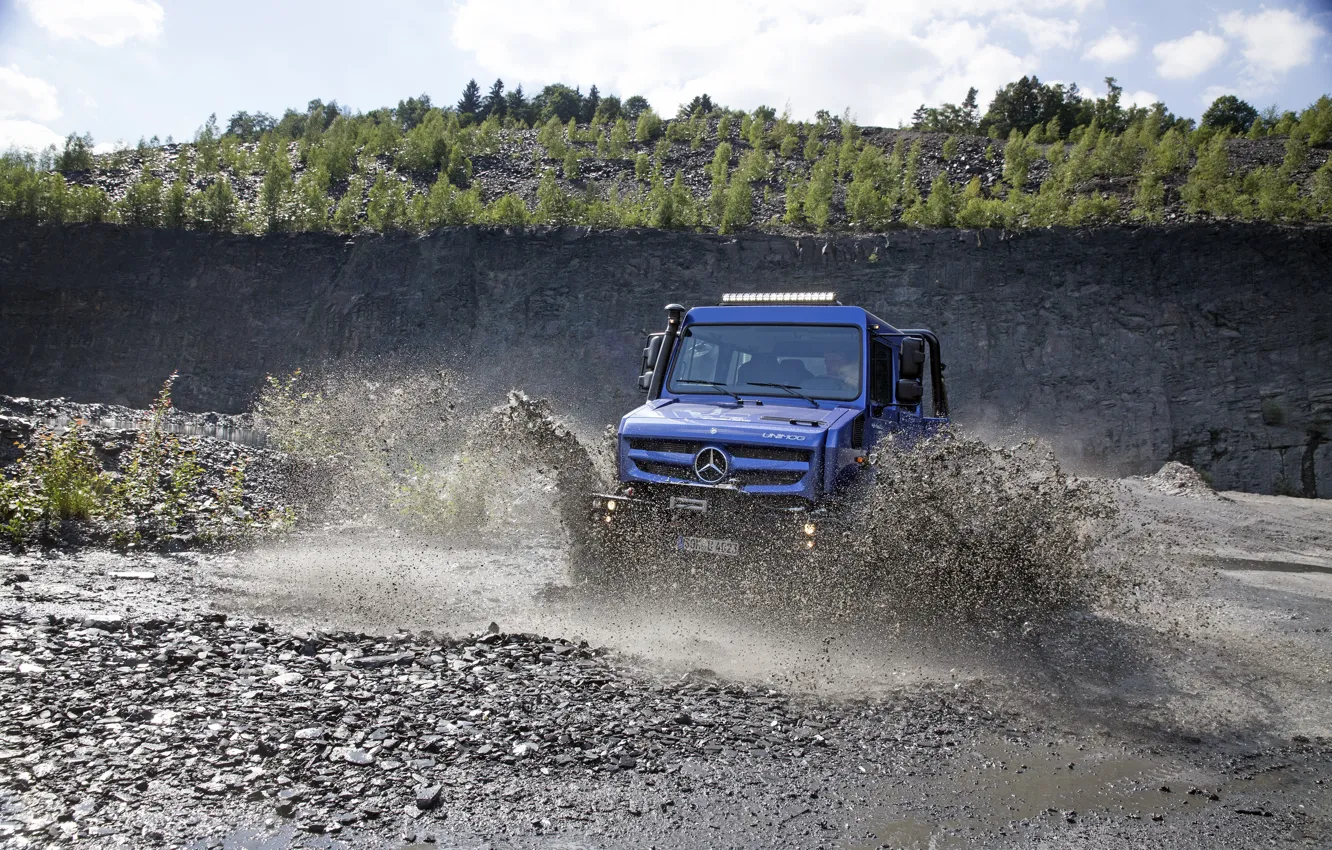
(215, 208)
(588, 113)
(1018, 157)
(738, 208)
(796, 189)
(1210, 188)
(495, 104)
(470, 102)
(571, 165)
(949, 148)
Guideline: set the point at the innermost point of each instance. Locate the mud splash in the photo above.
(957, 526)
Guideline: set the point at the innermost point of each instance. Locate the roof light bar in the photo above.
(779, 298)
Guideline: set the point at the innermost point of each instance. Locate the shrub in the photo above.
(738, 207)
(865, 202)
(571, 165)
(642, 166)
(796, 190)
(950, 148)
(1210, 187)
(58, 478)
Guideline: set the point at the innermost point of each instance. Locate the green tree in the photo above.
(554, 206)
(216, 207)
(206, 147)
(642, 166)
(738, 208)
(941, 206)
(175, 210)
(796, 190)
(446, 206)
(619, 138)
(347, 215)
(1322, 190)
(558, 101)
(495, 105)
(142, 204)
(77, 155)
(552, 137)
(1019, 154)
(950, 148)
(275, 194)
(311, 201)
(1228, 112)
(818, 197)
(470, 102)
(386, 206)
(1210, 188)
(571, 165)
(635, 106)
(865, 204)
(648, 127)
(508, 210)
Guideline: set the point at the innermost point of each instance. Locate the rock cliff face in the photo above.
(1208, 344)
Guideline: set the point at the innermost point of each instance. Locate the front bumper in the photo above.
(668, 521)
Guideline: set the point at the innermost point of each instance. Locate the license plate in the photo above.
(708, 546)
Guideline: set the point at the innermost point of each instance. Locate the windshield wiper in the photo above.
(719, 385)
(793, 389)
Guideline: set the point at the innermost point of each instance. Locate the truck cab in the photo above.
(765, 408)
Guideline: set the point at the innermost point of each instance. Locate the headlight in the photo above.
(809, 529)
(610, 504)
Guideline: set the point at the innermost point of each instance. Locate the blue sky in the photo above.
(122, 69)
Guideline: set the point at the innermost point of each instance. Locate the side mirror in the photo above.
(911, 359)
(650, 356)
(909, 391)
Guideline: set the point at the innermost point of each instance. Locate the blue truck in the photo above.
(760, 419)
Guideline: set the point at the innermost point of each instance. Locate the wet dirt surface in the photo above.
(1190, 709)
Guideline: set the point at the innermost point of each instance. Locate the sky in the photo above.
(126, 69)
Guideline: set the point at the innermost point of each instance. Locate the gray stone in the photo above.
(427, 797)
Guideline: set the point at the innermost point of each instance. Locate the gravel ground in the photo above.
(346, 688)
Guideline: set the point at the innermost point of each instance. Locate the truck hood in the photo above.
(770, 422)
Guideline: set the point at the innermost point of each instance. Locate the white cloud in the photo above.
(1114, 46)
(103, 22)
(883, 58)
(1043, 33)
(27, 135)
(1187, 57)
(1276, 41)
(1139, 98)
(22, 96)
(1211, 93)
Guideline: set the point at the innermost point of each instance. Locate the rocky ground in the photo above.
(347, 688)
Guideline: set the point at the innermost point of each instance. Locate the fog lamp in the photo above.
(809, 530)
(606, 518)
(610, 504)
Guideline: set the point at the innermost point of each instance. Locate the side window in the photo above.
(881, 373)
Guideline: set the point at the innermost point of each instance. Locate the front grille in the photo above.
(739, 476)
(652, 444)
(769, 453)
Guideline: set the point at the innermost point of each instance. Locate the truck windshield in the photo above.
(821, 361)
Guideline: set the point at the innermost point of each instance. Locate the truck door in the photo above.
(882, 414)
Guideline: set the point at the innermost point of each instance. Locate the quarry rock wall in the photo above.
(1125, 347)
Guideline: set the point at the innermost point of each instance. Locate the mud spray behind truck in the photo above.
(756, 437)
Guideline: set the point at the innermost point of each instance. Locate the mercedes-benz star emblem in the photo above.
(710, 465)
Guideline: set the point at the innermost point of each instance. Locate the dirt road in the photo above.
(347, 688)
